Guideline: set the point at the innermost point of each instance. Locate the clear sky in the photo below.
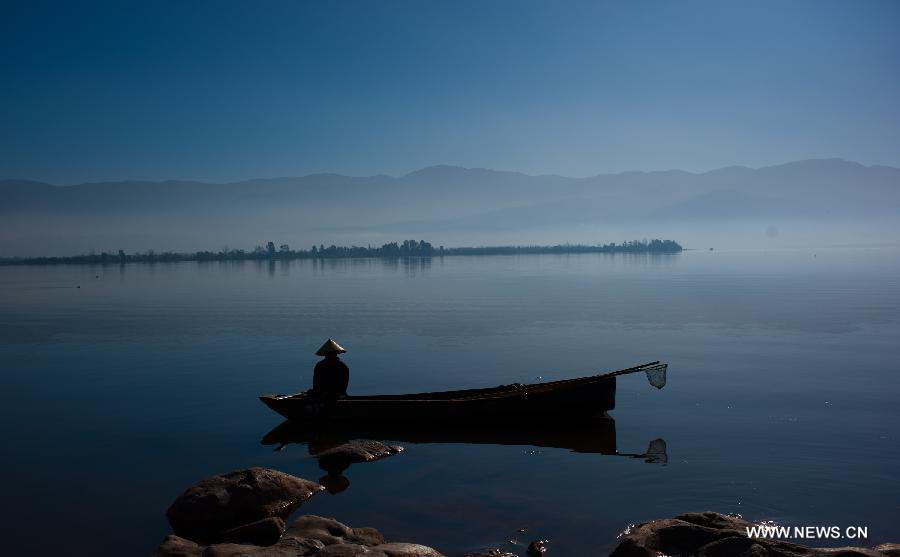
(230, 90)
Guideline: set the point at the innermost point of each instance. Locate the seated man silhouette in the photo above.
(331, 376)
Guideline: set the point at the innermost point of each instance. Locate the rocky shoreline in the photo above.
(710, 534)
(309, 535)
(243, 512)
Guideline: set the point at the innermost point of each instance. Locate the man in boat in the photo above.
(331, 375)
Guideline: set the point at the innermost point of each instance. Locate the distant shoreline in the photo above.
(408, 248)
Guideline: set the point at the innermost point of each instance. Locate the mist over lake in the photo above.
(780, 402)
(799, 204)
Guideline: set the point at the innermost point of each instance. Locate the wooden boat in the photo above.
(568, 399)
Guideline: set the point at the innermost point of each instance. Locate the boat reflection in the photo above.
(594, 436)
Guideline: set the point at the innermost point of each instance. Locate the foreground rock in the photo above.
(338, 458)
(329, 531)
(712, 534)
(308, 536)
(227, 502)
(262, 532)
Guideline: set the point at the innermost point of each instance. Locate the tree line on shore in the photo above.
(407, 248)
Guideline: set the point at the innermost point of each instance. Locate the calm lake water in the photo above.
(781, 402)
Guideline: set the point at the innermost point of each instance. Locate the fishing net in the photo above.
(656, 375)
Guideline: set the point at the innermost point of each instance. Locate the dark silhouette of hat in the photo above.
(330, 347)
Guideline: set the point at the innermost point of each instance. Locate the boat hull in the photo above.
(561, 400)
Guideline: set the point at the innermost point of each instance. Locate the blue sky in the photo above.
(225, 91)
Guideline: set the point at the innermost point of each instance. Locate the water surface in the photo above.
(781, 402)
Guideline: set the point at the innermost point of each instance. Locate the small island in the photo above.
(407, 248)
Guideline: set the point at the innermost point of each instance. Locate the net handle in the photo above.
(635, 369)
(647, 368)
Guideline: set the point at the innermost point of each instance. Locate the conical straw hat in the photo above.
(329, 347)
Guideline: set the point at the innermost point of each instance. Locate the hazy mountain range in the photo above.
(802, 203)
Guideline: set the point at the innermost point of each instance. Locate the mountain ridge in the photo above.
(427, 170)
(447, 204)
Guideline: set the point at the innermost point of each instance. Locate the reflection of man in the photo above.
(334, 483)
(331, 376)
